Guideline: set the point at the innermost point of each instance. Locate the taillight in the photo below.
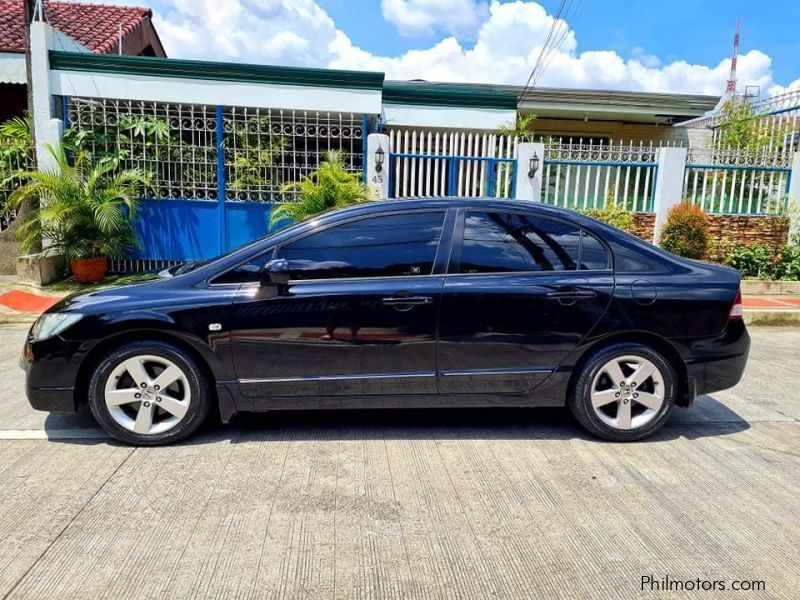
(736, 307)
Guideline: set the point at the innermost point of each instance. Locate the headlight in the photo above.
(50, 324)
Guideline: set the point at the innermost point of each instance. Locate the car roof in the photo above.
(401, 204)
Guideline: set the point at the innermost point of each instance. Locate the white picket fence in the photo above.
(428, 164)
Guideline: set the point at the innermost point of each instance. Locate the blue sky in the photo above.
(675, 46)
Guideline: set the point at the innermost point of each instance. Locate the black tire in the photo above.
(580, 402)
(198, 384)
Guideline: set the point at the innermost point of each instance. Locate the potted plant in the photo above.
(86, 208)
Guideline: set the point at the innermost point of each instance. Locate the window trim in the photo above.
(445, 238)
(213, 278)
(458, 244)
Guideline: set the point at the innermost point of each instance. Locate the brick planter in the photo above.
(735, 230)
(643, 225)
(740, 230)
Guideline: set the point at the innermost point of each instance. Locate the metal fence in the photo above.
(587, 175)
(16, 155)
(469, 165)
(735, 181)
(201, 152)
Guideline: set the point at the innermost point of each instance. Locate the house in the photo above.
(570, 114)
(85, 27)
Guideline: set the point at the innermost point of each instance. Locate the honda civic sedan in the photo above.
(408, 303)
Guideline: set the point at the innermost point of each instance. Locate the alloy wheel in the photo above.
(147, 394)
(627, 392)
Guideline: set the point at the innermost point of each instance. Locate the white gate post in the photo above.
(378, 181)
(794, 195)
(669, 185)
(47, 130)
(529, 188)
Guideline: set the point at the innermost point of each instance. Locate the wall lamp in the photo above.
(380, 155)
(533, 165)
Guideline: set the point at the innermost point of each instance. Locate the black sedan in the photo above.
(411, 303)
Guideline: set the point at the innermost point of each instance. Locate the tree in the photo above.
(742, 129)
(522, 127)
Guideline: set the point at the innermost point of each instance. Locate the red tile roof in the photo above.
(95, 26)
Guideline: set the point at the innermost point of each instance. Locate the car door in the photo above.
(358, 316)
(520, 294)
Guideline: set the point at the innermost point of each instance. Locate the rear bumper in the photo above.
(719, 364)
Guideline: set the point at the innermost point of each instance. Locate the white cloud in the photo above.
(779, 89)
(424, 17)
(287, 32)
(507, 38)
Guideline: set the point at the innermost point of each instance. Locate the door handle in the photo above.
(571, 295)
(407, 300)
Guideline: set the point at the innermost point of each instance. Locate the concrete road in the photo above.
(415, 504)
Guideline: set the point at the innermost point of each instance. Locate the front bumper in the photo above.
(50, 373)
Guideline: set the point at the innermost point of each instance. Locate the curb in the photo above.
(771, 317)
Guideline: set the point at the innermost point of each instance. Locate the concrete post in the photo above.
(529, 188)
(669, 185)
(378, 181)
(794, 195)
(47, 130)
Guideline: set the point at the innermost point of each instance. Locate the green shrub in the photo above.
(787, 264)
(755, 261)
(719, 251)
(686, 231)
(330, 186)
(614, 214)
(764, 262)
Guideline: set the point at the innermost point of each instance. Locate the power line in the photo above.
(559, 30)
(553, 26)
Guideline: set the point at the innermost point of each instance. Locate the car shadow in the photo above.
(706, 418)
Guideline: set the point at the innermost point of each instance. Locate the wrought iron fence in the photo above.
(267, 148)
(16, 156)
(424, 164)
(735, 181)
(582, 175)
(252, 158)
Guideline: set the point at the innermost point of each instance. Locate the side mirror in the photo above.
(276, 272)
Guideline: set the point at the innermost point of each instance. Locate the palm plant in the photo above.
(15, 152)
(85, 208)
(330, 186)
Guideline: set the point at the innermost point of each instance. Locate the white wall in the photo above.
(202, 91)
(446, 117)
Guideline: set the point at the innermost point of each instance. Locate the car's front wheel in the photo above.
(625, 392)
(149, 393)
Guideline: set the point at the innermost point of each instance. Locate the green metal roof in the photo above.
(443, 94)
(196, 69)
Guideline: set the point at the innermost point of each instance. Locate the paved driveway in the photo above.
(415, 504)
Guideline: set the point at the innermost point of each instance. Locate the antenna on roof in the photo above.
(119, 43)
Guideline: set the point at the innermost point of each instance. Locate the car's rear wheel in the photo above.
(149, 393)
(624, 392)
